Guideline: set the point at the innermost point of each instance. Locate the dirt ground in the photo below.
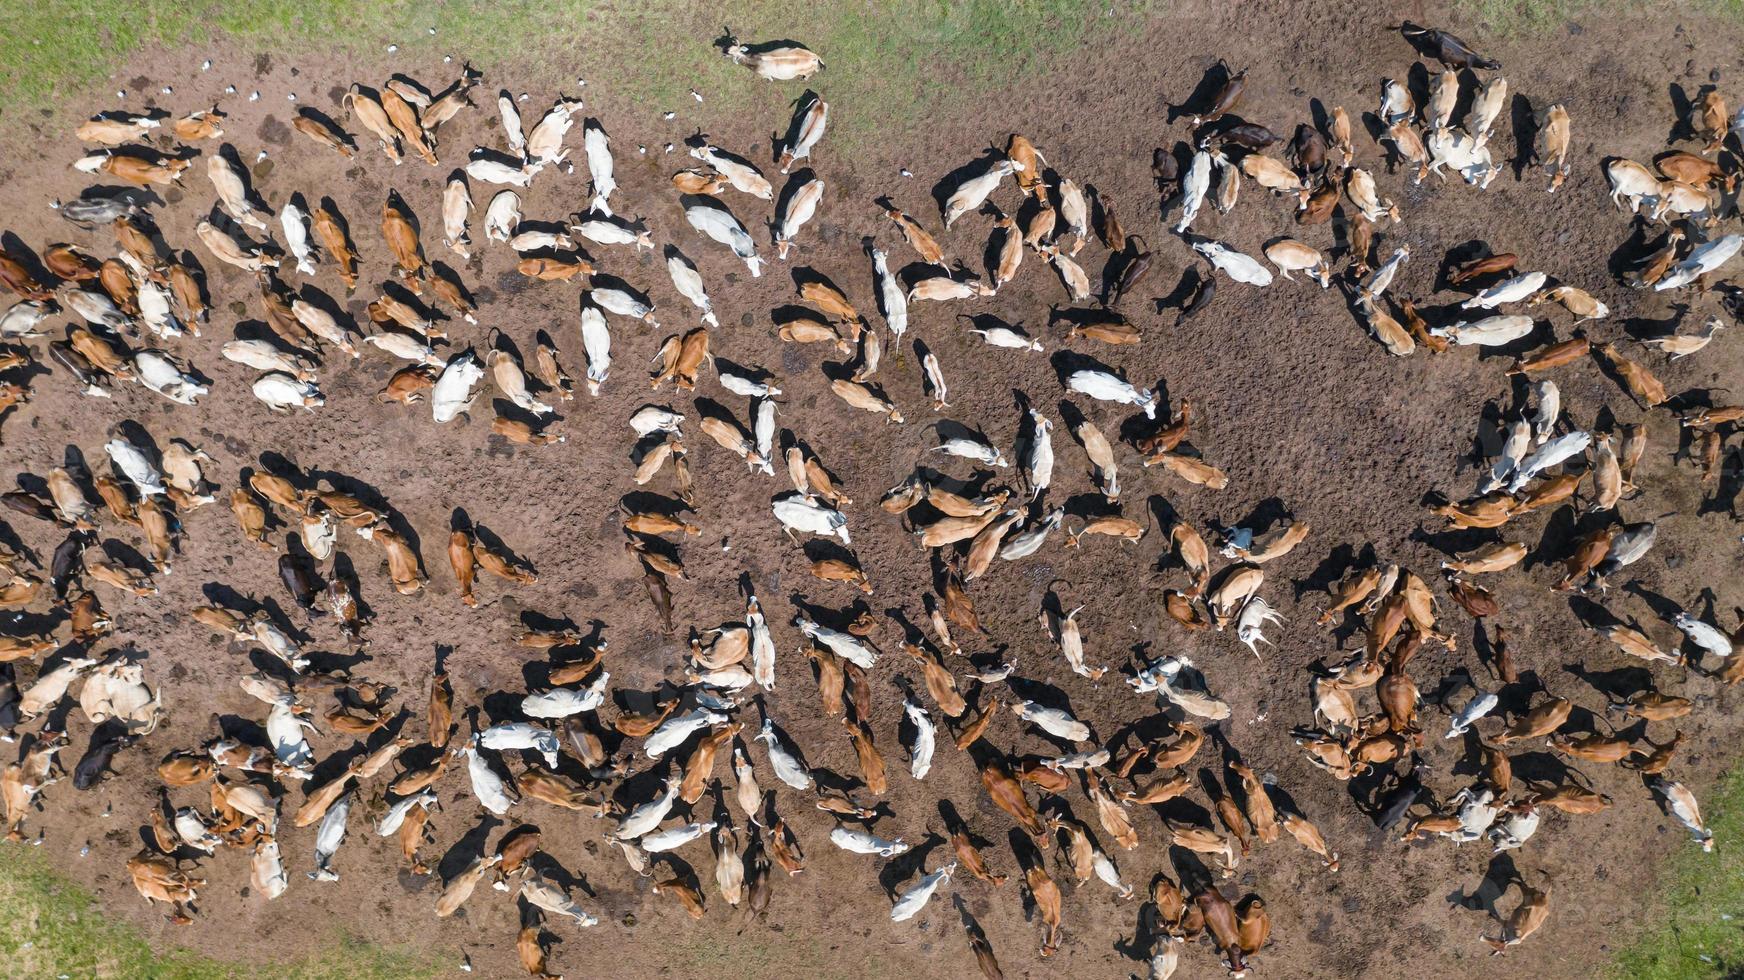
(1305, 413)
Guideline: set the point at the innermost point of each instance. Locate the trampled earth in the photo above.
(1306, 414)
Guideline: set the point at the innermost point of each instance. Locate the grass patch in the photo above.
(52, 928)
(892, 64)
(1701, 933)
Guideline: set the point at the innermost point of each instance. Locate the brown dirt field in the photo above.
(1295, 402)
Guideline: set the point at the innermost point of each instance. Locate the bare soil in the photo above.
(1305, 413)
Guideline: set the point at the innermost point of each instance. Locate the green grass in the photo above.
(1700, 935)
(51, 928)
(892, 64)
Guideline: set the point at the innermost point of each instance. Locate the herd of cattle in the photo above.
(124, 305)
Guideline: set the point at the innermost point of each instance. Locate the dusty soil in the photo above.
(1305, 413)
